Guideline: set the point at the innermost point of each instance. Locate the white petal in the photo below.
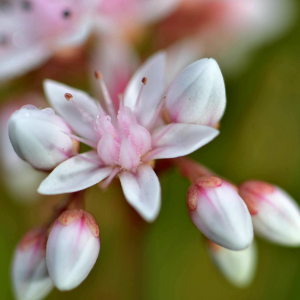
(152, 94)
(181, 139)
(19, 62)
(142, 191)
(74, 174)
(197, 95)
(55, 93)
(237, 266)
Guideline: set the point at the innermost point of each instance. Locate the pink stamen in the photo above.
(93, 161)
(75, 137)
(109, 104)
(158, 138)
(144, 82)
(109, 179)
(151, 154)
(154, 118)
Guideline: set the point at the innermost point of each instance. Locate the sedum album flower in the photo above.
(238, 267)
(125, 141)
(72, 249)
(220, 213)
(275, 215)
(32, 31)
(30, 276)
(39, 137)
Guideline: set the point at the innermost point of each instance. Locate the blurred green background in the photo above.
(260, 138)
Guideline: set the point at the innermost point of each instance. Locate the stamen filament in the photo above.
(109, 179)
(158, 138)
(93, 161)
(75, 137)
(144, 82)
(109, 104)
(154, 118)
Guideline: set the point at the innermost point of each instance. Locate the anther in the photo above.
(144, 80)
(98, 75)
(68, 96)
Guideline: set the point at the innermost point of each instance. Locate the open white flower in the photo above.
(125, 143)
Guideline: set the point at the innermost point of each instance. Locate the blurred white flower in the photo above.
(275, 215)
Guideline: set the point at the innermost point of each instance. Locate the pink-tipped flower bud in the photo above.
(72, 249)
(30, 276)
(40, 137)
(275, 215)
(238, 267)
(220, 213)
(197, 94)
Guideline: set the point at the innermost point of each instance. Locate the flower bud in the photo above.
(275, 215)
(30, 276)
(40, 137)
(220, 213)
(72, 249)
(238, 267)
(197, 94)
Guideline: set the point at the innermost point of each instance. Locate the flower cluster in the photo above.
(145, 121)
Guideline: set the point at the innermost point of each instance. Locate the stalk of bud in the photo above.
(275, 215)
(220, 213)
(30, 276)
(72, 249)
(238, 267)
(40, 137)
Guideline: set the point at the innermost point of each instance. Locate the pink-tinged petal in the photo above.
(238, 267)
(75, 174)
(30, 276)
(142, 191)
(275, 214)
(220, 213)
(153, 69)
(176, 140)
(72, 249)
(78, 116)
(197, 94)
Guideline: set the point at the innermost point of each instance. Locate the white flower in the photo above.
(125, 142)
(40, 137)
(72, 248)
(30, 276)
(238, 267)
(275, 215)
(220, 213)
(34, 30)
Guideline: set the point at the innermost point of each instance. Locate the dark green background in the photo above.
(260, 138)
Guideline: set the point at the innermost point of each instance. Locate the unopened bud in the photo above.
(197, 94)
(40, 137)
(220, 213)
(238, 267)
(72, 249)
(30, 276)
(275, 215)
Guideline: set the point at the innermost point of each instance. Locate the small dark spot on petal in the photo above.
(66, 14)
(3, 40)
